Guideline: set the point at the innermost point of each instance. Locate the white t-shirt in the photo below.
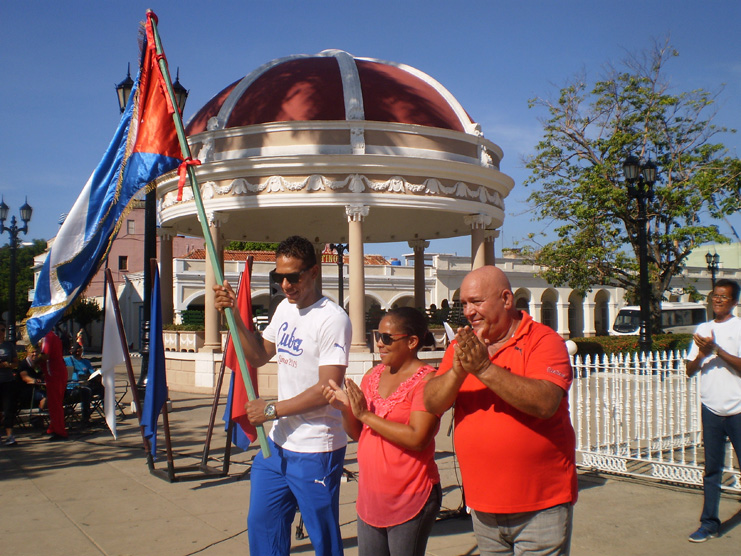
(306, 339)
(720, 387)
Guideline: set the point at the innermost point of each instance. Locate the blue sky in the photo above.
(61, 60)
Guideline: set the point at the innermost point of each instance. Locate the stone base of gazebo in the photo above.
(198, 373)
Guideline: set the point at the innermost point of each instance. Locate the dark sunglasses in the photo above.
(386, 338)
(292, 277)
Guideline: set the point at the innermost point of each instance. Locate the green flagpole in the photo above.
(210, 247)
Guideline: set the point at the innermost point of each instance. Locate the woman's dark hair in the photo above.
(411, 321)
(297, 247)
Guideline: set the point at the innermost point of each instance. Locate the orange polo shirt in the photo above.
(510, 461)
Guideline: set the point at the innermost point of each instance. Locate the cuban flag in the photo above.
(144, 148)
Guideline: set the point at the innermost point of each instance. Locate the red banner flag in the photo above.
(239, 399)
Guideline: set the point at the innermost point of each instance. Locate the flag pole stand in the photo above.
(211, 422)
(173, 473)
(204, 468)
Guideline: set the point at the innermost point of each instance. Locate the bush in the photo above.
(599, 345)
(183, 327)
(193, 317)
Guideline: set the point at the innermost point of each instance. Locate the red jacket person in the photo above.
(508, 376)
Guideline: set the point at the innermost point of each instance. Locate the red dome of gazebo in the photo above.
(312, 88)
(302, 142)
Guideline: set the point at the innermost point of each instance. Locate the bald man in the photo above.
(508, 377)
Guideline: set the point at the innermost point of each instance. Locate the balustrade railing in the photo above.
(639, 415)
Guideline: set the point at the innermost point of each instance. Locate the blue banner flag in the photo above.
(155, 394)
(144, 147)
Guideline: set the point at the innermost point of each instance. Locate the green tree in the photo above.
(577, 169)
(251, 246)
(24, 275)
(84, 311)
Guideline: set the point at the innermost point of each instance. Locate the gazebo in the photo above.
(339, 148)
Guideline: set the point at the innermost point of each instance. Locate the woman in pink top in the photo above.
(399, 491)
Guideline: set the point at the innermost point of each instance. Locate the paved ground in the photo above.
(93, 495)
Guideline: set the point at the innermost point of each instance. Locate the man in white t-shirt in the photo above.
(310, 337)
(716, 353)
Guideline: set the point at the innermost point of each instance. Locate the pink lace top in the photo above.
(394, 483)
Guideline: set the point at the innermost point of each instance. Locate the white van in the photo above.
(676, 318)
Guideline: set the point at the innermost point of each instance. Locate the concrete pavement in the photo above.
(92, 495)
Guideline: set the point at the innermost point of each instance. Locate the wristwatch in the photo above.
(270, 413)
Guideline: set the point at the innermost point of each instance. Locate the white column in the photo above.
(563, 319)
(355, 216)
(612, 311)
(478, 224)
(536, 309)
(588, 309)
(212, 340)
(166, 276)
(419, 246)
(489, 237)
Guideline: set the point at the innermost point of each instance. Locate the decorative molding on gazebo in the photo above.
(355, 183)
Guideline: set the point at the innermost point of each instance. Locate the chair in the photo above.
(122, 388)
(70, 402)
(25, 414)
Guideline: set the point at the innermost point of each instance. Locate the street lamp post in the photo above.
(13, 230)
(641, 179)
(340, 248)
(713, 266)
(123, 91)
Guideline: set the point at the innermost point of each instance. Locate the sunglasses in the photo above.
(292, 277)
(386, 338)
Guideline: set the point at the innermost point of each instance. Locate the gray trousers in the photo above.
(406, 539)
(542, 533)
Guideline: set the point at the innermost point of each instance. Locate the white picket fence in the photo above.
(639, 415)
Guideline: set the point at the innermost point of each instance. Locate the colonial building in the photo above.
(388, 285)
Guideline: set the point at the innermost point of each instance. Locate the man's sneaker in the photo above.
(10, 441)
(701, 535)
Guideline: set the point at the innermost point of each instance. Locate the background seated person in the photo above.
(31, 377)
(80, 387)
(8, 390)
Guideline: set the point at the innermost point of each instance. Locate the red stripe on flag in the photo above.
(154, 107)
